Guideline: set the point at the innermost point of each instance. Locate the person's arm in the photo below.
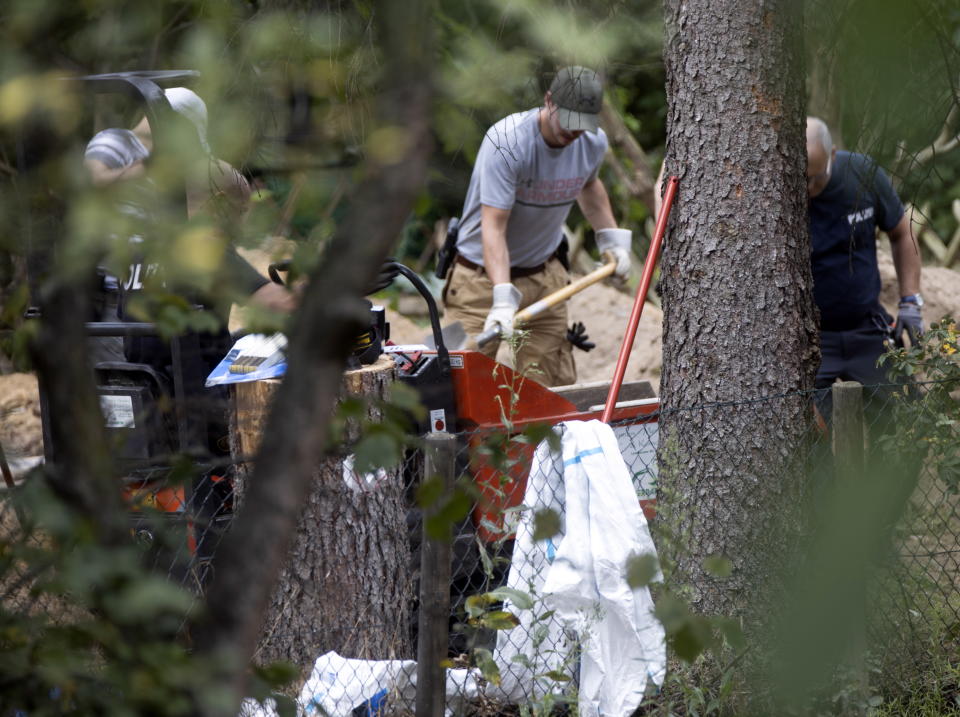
(218, 189)
(240, 274)
(906, 261)
(906, 256)
(493, 234)
(275, 297)
(595, 205)
(102, 175)
(496, 263)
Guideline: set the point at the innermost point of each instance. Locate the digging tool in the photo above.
(640, 299)
(557, 297)
(453, 335)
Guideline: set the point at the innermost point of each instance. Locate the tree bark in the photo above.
(345, 584)
(249, 559)
(739, 322)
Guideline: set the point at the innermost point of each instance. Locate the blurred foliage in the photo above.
(933, 424)
(885, 74)
(85, 630)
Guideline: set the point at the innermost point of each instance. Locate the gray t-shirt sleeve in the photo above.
(497, 164)
(116, 148)
(601, 154)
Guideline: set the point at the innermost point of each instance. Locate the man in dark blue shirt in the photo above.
(850, 199)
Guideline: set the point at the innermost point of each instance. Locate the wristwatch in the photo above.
(912, 299)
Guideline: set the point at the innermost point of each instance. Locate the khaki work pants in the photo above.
(542, 352)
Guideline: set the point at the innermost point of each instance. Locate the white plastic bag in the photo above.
(338, 685)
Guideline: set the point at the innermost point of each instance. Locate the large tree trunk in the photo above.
(346, 583)
(739, 322)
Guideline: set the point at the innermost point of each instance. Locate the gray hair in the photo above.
(817, 130)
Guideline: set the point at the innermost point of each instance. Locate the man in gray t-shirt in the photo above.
(532, 166)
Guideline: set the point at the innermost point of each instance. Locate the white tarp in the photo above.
(339, 685)
(580, 574)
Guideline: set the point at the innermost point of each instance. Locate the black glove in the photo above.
(387, 274)
(909, 319)
(577, 335)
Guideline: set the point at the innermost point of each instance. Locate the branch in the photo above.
(948, 139)
(249, 560)
(641, 184)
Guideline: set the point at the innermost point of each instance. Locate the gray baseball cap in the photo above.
(578, 94)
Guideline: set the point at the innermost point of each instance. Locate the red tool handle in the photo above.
(638, 302)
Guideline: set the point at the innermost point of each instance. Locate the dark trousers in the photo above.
(852, 356)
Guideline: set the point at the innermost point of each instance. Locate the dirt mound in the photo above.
(20, 431)
(940, 287)
(404, 330)
(605, 311)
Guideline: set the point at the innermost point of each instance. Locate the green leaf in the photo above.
(732, 632)
(455, 509)
(485, 663)
(546, 524)
(406, 398)
(691, 639)
(641, 570)
(538, 432)
(522, 659)
(718, 566)
(484, 557)
(671, 612)
(498, 620)
(522, 600)
(277, 674)
(429, 492)
(476, 605)
(351, 408)
(376, 450)
(149, 596)
(556, 676)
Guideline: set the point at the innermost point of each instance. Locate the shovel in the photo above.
(455, 330)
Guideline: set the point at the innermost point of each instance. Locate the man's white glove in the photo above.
(617, 242)
(506, 301)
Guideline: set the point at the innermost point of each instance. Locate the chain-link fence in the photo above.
(502, 642)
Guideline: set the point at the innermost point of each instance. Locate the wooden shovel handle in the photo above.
(557, 297)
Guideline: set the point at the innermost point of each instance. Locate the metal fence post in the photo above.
(435, 554)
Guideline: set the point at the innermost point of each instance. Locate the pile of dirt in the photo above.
(940, 288)
(404, 330)
(605, 310)
(20, 431)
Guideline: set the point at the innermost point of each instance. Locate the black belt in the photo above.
(515, 271)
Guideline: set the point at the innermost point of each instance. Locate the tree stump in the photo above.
(346, 585)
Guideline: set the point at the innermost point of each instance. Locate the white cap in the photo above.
(188, 104)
